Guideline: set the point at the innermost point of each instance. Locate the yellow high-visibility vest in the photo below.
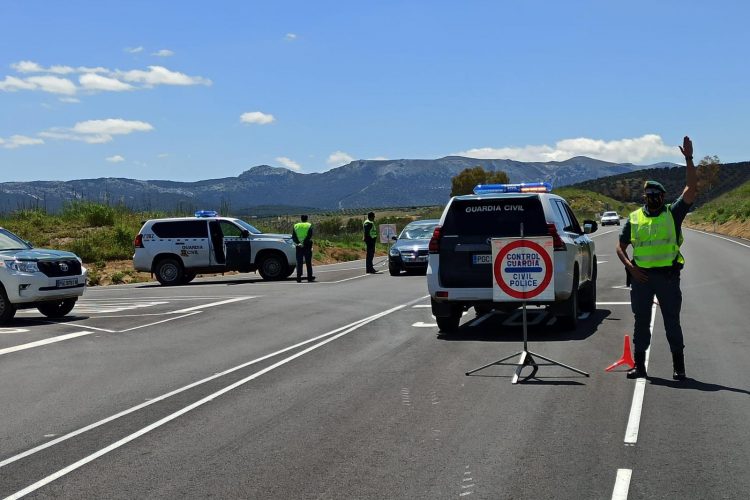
(301, 229)
(654, 239)
(373, 231)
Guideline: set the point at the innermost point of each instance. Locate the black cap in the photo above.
(654, 185)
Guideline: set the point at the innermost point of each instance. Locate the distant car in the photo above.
(50, 280)
(610, 218)
(410, 253)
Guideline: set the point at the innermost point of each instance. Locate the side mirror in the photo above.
(31, 245)
(590, 226)
(394, 237)
(245, 233)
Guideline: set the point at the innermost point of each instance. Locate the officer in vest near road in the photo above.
(302, 237)
(655, 233)
(370, 237)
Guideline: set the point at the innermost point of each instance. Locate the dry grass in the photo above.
(729, 228)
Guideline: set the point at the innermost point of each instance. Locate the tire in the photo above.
(482, 310)
(272, 268)
(588, 295)
(449, 324)
(7, 310)
(569, 318)
(57, 308)
(169, 272)
(395, 271)
(187, 277)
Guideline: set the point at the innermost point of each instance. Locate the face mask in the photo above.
(654, 201)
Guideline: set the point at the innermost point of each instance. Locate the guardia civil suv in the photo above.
(459, 272)
(49, 280)
(177, 249)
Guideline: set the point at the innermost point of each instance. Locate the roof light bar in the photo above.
(523, 187)
(206, 213)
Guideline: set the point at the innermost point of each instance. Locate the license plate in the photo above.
(482, 259)
(67, 282)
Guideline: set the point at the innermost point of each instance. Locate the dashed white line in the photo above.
(622, 484)
(39, 343)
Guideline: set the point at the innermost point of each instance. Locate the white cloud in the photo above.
(115, 159)
(290, 36)
(162, 155)
(289, 163)
(159, 75)
(634, 150)
(339, 158)
(69, 99)
(163, 53)
(381, 158)
(27, 67)
(11, 84)
(133, 50)
(16, 141)
(53, 84)
(91, 81)
(97, 131)
(256, 117)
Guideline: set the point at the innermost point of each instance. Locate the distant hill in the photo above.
(361, 183)
(628, 187)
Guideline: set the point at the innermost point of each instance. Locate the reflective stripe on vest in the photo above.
(654, 239)
(301, 229)
(373, 232)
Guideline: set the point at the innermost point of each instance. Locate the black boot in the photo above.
(640, 366)
(678, 362)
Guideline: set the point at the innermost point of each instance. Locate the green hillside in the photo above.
(731, 206)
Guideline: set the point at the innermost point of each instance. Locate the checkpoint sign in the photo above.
(386, 232)
(522, 269)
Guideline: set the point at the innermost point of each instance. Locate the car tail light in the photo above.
(557, 242)
(435, 241)
(138, 242)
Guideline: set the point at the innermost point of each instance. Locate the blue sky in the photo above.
(195, 90)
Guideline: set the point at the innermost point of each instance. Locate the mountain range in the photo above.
(359, 184)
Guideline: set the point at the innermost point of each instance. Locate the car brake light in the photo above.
(434, 246)
(557, 242)
(138, 242)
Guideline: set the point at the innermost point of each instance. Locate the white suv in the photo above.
(50, 280)
(177, 249)
(459, 272)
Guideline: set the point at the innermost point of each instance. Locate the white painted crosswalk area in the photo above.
(105, 307)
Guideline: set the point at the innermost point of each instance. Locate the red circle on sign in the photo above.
(497, 268)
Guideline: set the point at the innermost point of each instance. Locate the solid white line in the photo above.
(212, 304)
(622, 484)
(210, 397)
(158, 322)
(421, 324)
(717, 236)
(420, 306)
(39, 343)
(190, 386)
(634, 420)
(613, 303)
(345, 279)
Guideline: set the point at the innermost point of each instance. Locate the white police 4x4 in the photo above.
(50, 280)
(177, 249)
(459, 272)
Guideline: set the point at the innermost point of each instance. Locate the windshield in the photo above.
(610, 214)
(9, 241)
(249, 227)
(422, 232)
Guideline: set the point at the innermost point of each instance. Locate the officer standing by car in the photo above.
(654, 232)
(370, 237)
(302, 237)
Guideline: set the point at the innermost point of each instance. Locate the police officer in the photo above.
(302, 237)
(370, 235)
(654, 232)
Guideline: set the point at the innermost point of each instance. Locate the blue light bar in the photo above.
(524, 187)
(206, 213)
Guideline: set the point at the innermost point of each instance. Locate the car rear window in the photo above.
(496, 217)
(181, 229)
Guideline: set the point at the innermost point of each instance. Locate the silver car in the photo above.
(410, 251)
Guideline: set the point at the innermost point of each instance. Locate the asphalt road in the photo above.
(342, 388)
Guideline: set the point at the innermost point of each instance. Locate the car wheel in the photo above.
(588, 294)
(272, 268)
(449, 324)
(569, 318)
(7, 310)
(394, 270)
(169, 272)
(57, 308)
(187, 277)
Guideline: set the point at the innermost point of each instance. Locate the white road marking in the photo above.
(157, 322)
(634, 420)
(212, 304)
(482, 318)
(613, 303)
(622, 484)
(421, 324)
(13, 330)
(601, 261)
(346, 328)
(621, 287)
(145, 430)
(717, 236)
(421, 306)
(39, 343)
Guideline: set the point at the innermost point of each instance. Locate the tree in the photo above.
(464, 182)
(708, 173)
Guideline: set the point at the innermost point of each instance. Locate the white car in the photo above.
(49, 280)
(610, 218)
(459, 272)
(177, 249)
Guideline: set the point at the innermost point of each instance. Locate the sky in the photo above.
(192, 90)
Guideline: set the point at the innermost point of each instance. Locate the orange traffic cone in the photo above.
(626, 359)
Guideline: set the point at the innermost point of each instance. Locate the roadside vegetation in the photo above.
(728, 214)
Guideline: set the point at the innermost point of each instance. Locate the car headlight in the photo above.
(393, 252)
(22, 266)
